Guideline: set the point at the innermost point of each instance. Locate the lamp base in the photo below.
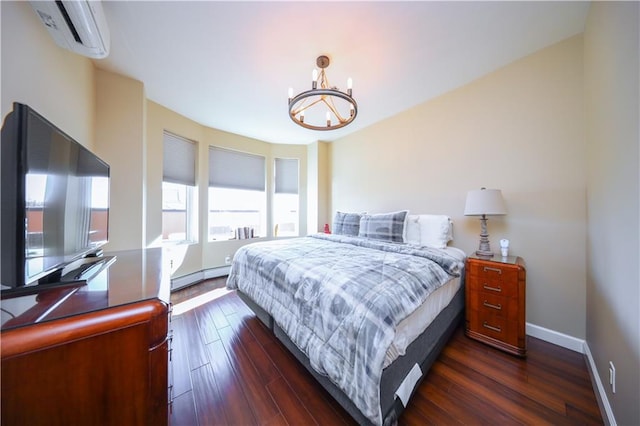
(484, 250)
(482, 253)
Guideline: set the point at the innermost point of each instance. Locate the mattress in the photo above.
(418, 321)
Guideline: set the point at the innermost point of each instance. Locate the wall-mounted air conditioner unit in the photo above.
(79, 26)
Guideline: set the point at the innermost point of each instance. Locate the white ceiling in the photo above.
(228, 65)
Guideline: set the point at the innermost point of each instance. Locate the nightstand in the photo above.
(495, 302)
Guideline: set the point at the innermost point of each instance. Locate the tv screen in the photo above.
(57, 208)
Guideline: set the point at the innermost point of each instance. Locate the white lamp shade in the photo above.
(484, 201)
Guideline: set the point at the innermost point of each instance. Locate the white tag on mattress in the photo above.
(406, 387)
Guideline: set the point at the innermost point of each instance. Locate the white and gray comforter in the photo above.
(339, 299)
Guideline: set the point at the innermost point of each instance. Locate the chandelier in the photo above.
(323, 107)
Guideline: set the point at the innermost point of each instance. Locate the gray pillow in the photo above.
(385, 227)
(346, 223)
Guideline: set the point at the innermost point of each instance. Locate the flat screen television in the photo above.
(55, 201)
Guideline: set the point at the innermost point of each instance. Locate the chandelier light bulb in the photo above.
(302, 116)
(328, 119)
(290, 93)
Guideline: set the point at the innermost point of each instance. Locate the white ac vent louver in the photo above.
(79, 26)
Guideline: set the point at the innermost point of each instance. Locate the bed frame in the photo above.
(423, 350)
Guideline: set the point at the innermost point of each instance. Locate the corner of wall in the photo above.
(598, 388)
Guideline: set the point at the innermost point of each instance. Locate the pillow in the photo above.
(385, 227)
(346, 223)
(413, 229)
(435, 230)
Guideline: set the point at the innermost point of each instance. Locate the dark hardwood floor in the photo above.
(228, 369)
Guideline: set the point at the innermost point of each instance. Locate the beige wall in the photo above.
(317, 186)
(35, 71)
(324, 185)
(120, 141)
(613, 191)
(519, 129)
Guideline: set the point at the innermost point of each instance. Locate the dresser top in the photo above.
(134, 276)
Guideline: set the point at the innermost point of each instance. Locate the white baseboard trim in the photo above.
(601, 395)
(187, 280)
(220, 271)
(556, 338)
(581, 346)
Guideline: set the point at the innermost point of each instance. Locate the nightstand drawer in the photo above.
(501, 306)
(494, 272)
(493, 286)
(494, 326)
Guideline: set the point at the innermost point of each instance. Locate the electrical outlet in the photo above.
(227, 260)
(612, 376)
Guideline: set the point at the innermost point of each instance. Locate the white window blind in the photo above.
(179, 160)
(237, 170)
(286, 176)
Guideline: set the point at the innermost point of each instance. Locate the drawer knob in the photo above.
(486, 287)
(488, 268)
(492, 306)
(490, 327)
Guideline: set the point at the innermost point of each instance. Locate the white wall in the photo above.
(519, 129)
(612, 91)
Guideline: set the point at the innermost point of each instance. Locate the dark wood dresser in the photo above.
(95, 354)
(496, 301)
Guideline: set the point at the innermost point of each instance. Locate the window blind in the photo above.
(179, 160)
(286, 176)
(237, 170)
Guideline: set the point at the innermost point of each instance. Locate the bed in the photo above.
(365, 312)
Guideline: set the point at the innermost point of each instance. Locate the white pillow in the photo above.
(435, 230)
(412, 227)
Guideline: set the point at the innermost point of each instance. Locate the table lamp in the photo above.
(484, 202)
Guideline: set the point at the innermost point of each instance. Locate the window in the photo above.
(237, 195)
(179, 198)
(285, 198)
